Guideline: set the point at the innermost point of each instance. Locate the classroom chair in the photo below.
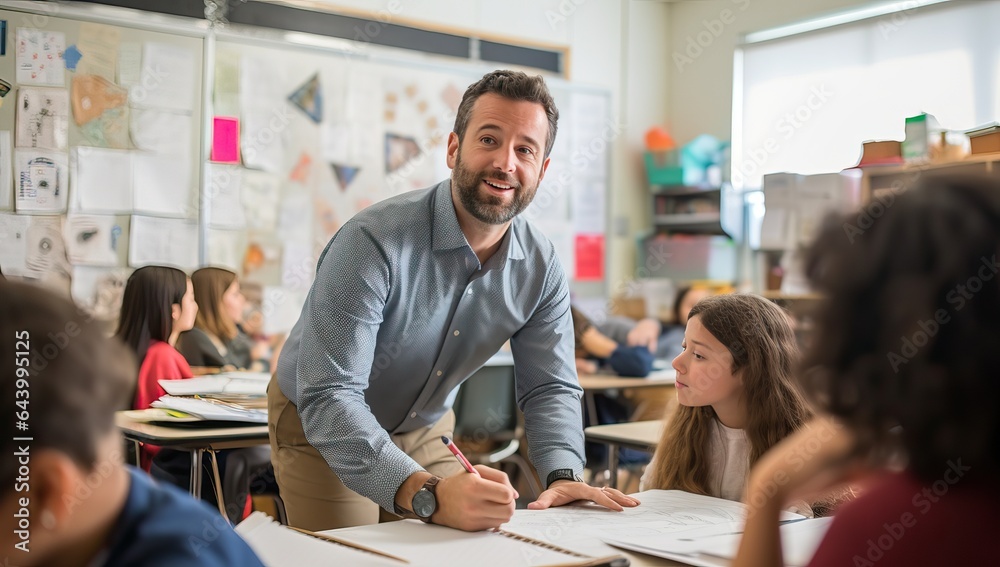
(487, 422)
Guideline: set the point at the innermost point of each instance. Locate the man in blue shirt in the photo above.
(411, 297)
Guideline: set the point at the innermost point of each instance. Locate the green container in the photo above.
(664, 168)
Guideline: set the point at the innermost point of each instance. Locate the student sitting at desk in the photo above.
(80, 505)
(904, 366)
(157, 306)
(736, 396)
(593, 349)
(217, 339)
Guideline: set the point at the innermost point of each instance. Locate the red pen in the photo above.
(458, 455)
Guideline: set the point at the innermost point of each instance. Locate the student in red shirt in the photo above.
(158, 305)
(903, 366)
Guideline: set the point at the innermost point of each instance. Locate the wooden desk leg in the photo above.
(196, 473)
(613, 464)
(218, 484)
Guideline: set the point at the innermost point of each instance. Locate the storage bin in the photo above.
(664, 168)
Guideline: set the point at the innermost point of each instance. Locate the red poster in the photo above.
(589, 257)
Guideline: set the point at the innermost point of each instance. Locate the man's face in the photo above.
(497, 168)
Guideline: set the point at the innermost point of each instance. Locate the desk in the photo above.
(196, 441)
(641, 435)
(592, 383)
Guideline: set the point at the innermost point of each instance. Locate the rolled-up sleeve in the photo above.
(334, 363)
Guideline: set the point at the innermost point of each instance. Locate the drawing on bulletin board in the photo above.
(398, 151)
(345, 174)
(41, 177)
(40, 57)
(100, 109)
(309, 98)
(42, 118)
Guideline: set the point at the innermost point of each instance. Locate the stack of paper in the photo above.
(209, 409)
(710, 548)
(215, 385)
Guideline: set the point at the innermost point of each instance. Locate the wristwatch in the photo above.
(561, 474)
(424, 502)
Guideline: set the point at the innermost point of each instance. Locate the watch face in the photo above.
(424, 503)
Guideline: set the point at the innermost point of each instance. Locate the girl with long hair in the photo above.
(217, 338)
(736, 397)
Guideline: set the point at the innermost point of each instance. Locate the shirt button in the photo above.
(456, 333)
(413, 415)
(470, 292)
(439, 372)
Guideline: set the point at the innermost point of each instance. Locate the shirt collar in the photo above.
(448, 234)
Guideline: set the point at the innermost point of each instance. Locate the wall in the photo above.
(701, 73)
(615, 45)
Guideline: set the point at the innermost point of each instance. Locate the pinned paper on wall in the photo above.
(99, 108)
(172, 76)
(41, 181)
(225, 209)
(72, 57)
(161, 131)
(171, 242)
(129, 64)
(96, 240)
(225, 140)
(163, 185)
(225, 248)
(14, 235)
(300, 173)
(46, 251)
(99, 45)
(101, 180)
(589, 254)
(6, 179)
(40, 57)
(42, 118)
(309, 98)
(261, 193)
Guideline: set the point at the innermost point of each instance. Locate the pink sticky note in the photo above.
(225, 140)
(589, 250)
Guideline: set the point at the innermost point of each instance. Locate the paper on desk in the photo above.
(171, 242)
(274, 544)
(799, 541)
(214, 385)
(428, 544)
(101, 180)
(209, 410)
(167, 79)
(661, 513)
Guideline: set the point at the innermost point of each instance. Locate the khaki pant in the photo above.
(314, 497)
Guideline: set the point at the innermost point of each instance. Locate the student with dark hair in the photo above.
(411, 297)
(903, 367)
(83, 506)
(736, 394)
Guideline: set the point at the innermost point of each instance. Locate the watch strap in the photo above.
(561, 474)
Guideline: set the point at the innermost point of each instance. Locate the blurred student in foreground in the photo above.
(904, 367)
(80, 505)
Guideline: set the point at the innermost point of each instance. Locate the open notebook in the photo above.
(407, 542)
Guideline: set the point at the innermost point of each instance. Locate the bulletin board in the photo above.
(100, 138)
(178, 144)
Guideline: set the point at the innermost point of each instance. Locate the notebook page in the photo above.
(278, 546)
(431, 545)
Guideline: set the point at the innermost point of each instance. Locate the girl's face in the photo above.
(185, 313)
(704, 370)
(233, 302)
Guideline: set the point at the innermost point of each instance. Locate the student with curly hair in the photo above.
(903, 366)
